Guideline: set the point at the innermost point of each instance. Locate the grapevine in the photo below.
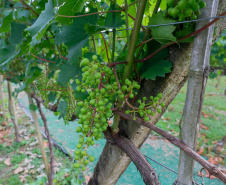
(103, 86)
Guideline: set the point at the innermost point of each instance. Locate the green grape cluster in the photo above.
(99, 81)
(144, 109)
(184, 9)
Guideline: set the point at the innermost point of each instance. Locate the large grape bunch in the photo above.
(104, 89)
(184, 9)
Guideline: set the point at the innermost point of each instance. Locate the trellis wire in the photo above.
(175, 23)
(168, 169)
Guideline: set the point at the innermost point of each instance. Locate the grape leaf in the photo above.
(5, 26)
(80, 95)
(159, 68)
(113, 19)
(7, 53)
(38, 29)
(62, 108)
(68, 72)
(16, 32)
(76, 37)
(163, 34)
(69, 8)
(52, 96)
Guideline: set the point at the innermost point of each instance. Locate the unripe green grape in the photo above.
(103, 90)
(97, 75)
(78, 88)
(121, 96)
(94, 57)
(188, 12)
(182, 4)
(100, 103)
(77, 152)
(159, 110)
(92, 102)
(83, 152)
(84, 62)
(77, 157)
(77, 81)
(131, 95)
(174, 12)
(78, 129)
(170, 2)
(76, 165)
(146, 119)
(159, 95)
(88, 139)
(86, 162)
(124, 88)
(170, 11)
(81, 140)
(79, 146)
(91, 158)
(108, 87)
(202, 4)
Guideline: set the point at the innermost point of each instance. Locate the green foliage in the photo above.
(163, 34)
(46, 54)
(38, 29)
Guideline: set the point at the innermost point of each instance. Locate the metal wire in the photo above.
(174, 23)
(170, 170)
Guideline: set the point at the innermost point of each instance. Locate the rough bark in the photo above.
(40, 141)
(113, 162)
(195, 93)
(2, 104)
(11, 107)
(221, 24)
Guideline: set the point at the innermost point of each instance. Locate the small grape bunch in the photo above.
(144, 109)
(184, 9)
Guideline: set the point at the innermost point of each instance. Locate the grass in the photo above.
(213, 119)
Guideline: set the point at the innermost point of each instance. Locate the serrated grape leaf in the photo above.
(39, 27)
(62, 108)
(68, 72)
(69, 8)
(163, 34)
(80, 95)
(159, 68)
(16, 32)
(52, 96)
(113, 19)
(151, 48)
(75, 36)
(6, 24)
(7, 53)
(185, 32)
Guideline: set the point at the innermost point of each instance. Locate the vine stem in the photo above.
(174, 140)
(105, 46)
(180, 39)
(131, 52)
(90, 14)
(28, 7)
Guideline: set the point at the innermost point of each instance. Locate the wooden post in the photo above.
(198, 75)
(11, 107)
(39, 136)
